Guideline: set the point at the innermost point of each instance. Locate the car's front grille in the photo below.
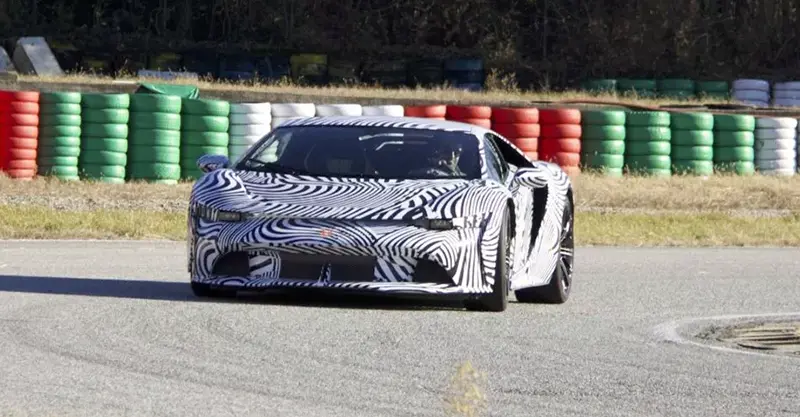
(341, 267)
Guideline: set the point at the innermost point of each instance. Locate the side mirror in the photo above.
(208, 163)
(529, 177)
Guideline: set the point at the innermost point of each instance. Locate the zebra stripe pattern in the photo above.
(302, 215)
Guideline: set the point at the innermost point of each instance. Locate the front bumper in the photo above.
(377, 256)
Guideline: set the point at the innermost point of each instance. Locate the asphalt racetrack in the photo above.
(111, 328)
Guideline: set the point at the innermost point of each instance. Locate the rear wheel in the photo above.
(560, 286)
(206, 291)
(497, 300)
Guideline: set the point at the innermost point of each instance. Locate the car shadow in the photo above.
(181, 292)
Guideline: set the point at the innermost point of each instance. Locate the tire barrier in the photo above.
(59, 135)
(286, 111)
(249, 122)
(776, 145)
(560, 138)
(393, 110)
(715, 90)
(751, 91)
(154, 142)
(204, 130)
(520, 126)
(117, 138)
(603, 141)
(429, 112)
(786, 94)
(19, 133)
(677, 88)
(733, 144)
(104, 137)
(642, 88)
(692, 143)
(474, 115)
(648, 143)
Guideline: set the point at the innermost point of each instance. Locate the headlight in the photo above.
(215, 215)
(466, 222)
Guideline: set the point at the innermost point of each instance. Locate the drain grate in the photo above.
(780, 337)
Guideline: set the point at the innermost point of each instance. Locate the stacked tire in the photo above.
(520, 126)
(154, 135)
(733, 143)
(282, 112)
(59, 135)
(204, 131)
(676, 88)
(648, 143)
(104, 137)
(560, 138)
(438, 112)
(776, 145)
(786, 94)
(692, 143)
(603, 141)
(474, 115)
(751, 91)
(19, 133)
(249, 122)
(715, 90)
(644, 88)
(391, 110)
(324, 110)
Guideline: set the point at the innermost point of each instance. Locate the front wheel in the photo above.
(557, 291)
(497, 300)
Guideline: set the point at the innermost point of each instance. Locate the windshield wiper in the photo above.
(275, 167)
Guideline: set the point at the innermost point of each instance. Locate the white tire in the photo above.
(244, 140)
(251, 108)
(786, 102)
(276, 121)
(338, 110)
(751, 95)
(771, 133)
(777, 165)
(293, 110)
(776, 122)
(786, 85)
(251, 119)
(779, 172)
(250, 130)
(784, 94)
(777, 144)
(775, 154)
(393, 110)
(751, 84)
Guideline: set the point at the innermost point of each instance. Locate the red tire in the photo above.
(559, 116)
(561, 131)
(502, 115)
(517, 130)
(468, 112)
(431, 112)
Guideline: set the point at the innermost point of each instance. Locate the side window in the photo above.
(492, 161)
(496, 155)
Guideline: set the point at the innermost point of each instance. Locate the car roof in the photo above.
(387, 121)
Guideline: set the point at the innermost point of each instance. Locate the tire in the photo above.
(558, 290)
(497, 300)
(205, 291)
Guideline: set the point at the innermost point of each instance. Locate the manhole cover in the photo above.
(779, 337)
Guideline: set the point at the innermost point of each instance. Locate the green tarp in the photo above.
(185, 91)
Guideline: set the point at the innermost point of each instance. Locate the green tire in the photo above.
(639, 149)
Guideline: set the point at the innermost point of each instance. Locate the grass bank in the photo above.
(681, 210)
(591, 228)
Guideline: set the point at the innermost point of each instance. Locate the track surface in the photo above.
(110, 328)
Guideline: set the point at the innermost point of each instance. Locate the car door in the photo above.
(523, 201)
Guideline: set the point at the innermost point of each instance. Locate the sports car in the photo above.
(384, 205)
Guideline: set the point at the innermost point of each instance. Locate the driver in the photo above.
(442, 160)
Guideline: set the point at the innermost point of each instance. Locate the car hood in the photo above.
(283, 195)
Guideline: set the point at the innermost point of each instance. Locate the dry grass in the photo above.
(591, 229)
(592, 192)
(466, 393)
(498, 91)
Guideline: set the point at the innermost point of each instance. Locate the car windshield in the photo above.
(366, 152)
